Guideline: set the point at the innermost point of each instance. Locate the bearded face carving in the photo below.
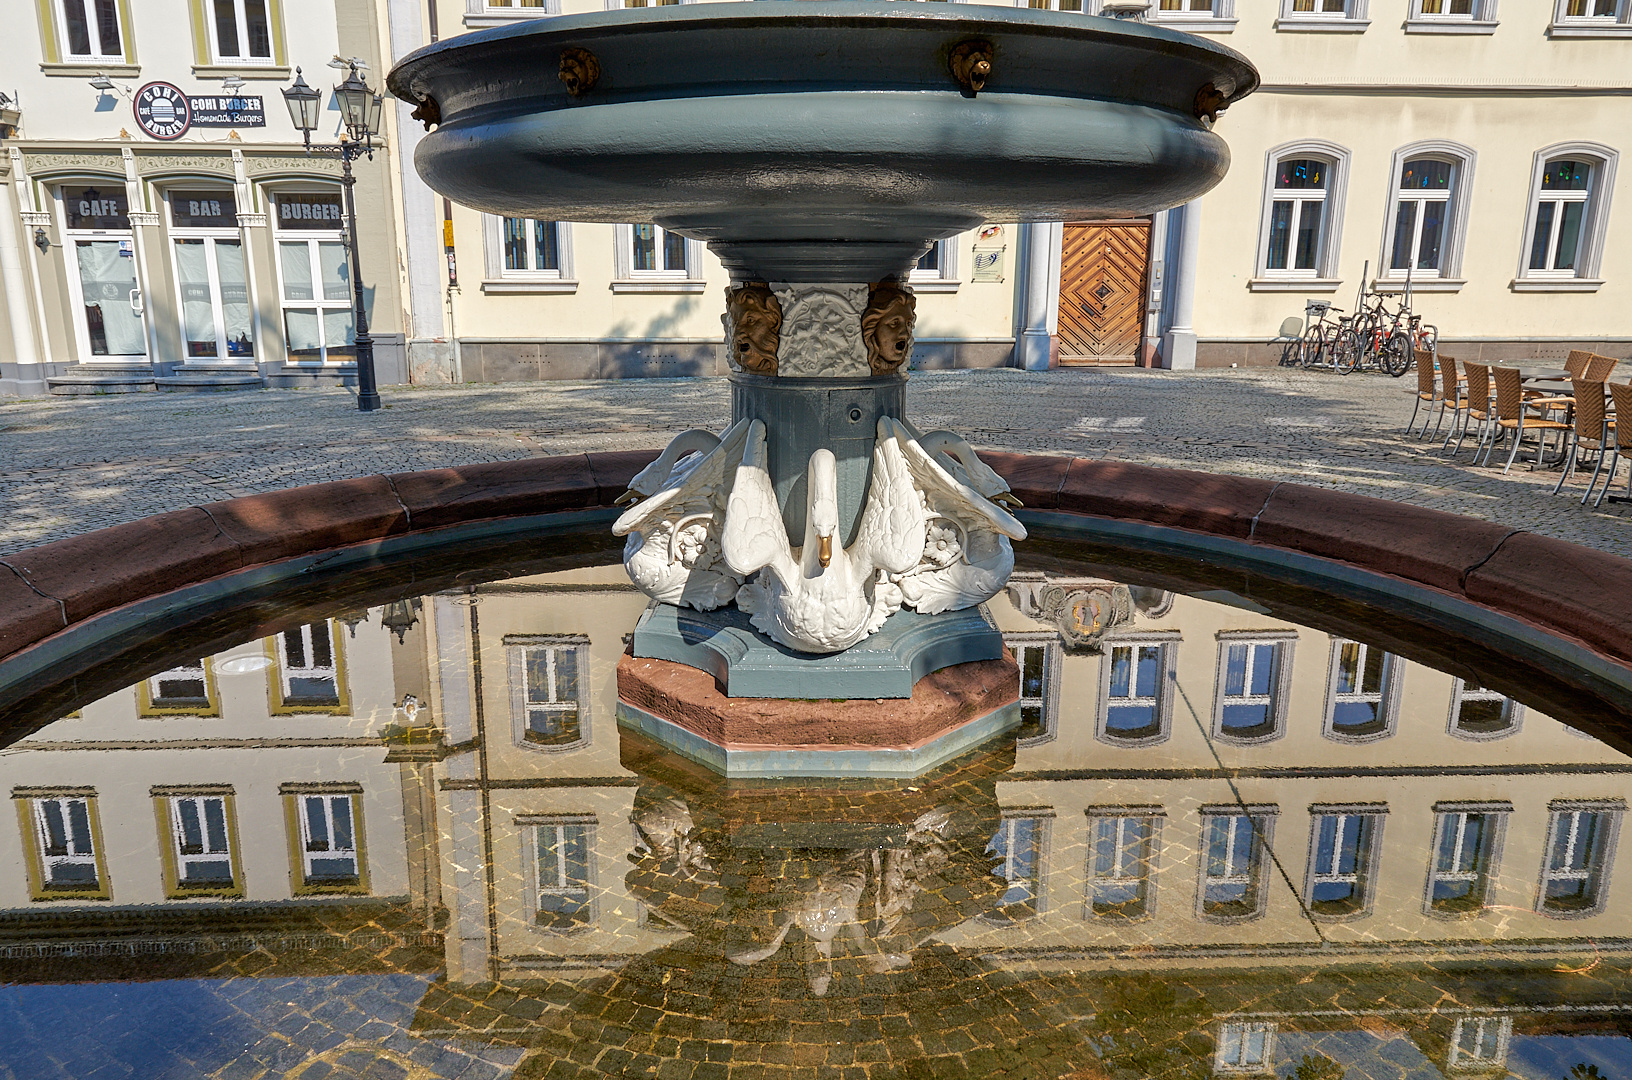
(753, 326)
(886, 327)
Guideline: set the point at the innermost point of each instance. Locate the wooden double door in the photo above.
(1103, 281)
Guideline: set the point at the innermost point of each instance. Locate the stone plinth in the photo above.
(748, 664)
(951, 711)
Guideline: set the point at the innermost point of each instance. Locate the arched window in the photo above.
(1568, 215)
(1302, 220)
(1427, 213)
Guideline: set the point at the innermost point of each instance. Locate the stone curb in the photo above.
(1558, 587)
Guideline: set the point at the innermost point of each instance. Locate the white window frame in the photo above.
(485, 13)
(517, 646)
(1054, 5)
(313, 237)
(1387, 697)
(1219, 20)
(243, 59)
(151, 704)
(1448, 278)
(1369, 847)
(620, 5)
(536, 875)
(1167, 644)
(96, 56)
(501, 279)
(1460, 691)
(1153, 817)
(1480, 19)
(334, 669)
(1324, 275)
(333, 851)
(1567, 25)
(1280, 687)
(1565, 814)
(1352, 19)
(1234, 1036)
(183, 859)
(72, 855)
(1594, 224)
(1043, 828)
(1049, 702)
(1456, 1061)
(1263, 832)
(1449, 816)
(210, 235)
(628, 279)
(944, 278)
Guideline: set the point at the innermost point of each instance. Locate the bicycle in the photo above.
(1323, 329)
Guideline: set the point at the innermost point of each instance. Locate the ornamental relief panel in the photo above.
(44, 164)
(257, 165)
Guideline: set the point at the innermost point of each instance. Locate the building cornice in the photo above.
(1445, 89)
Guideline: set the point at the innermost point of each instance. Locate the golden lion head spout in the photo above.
(886, 326)
(753, 323)
(971, 64)
(580, 71)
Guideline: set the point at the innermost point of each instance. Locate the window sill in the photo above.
(1556, 284)
(504, 18)
(550, 285)
(1397, 285)
(1613, 30)
(91, 70)
(1198, 25)
(677, 286)
(1323, 26)
(280, 73)
(1450, 26)
(934, 285)
(1294, 284)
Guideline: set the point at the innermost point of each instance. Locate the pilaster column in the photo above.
(19, 312)
(1039, 289)
(1179, 343)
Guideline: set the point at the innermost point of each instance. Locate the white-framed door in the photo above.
(212, 277)
(109, 309)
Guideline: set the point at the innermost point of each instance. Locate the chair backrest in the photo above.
(1622, 395)
(1600, 368)
(1576, 363)
(1291, 327)
(1447, 376)
(1478, 385)
(1425, 372)
(1589, 408)
(1509, 393)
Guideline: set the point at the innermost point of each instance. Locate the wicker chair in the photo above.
(1622, 394)
(1453, 394)
(1514, 414)
(1427, 392)
(1475, 405)
(1600, 368)
(1591, 432)
(1577, 364)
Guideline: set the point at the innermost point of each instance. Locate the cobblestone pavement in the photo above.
(68, 465)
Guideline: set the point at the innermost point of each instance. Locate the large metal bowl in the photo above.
(828, 140)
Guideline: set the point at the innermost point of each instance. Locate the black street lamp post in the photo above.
(361, 108)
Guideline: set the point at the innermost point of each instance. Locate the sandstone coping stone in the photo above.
(1562, 586)
(296, 521)
(438, 497)
(25, 615)
(1178, 498)
(941, 701)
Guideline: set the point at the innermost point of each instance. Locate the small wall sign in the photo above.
(226, 110)
(162, 111)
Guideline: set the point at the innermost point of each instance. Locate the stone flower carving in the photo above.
(753, 327)
(886, 326)
(821, 330)
(941, 546)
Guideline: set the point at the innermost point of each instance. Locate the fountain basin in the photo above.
(821, 141)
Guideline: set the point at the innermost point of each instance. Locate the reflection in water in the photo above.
(412, 841)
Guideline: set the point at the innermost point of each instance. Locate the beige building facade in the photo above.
(161, 225)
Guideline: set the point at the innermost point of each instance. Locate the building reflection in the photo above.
(1223, 845)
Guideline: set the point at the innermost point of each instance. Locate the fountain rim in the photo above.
(408, 79)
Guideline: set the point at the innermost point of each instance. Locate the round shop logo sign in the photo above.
(162, 111)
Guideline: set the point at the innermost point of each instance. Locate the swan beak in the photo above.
(1007, 499)
(628, 498)
(824, 550)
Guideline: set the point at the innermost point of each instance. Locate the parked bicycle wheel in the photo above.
(1397, 353)
(1313, 347)
(1346, 351)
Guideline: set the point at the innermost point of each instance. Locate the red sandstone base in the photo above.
(942, 701)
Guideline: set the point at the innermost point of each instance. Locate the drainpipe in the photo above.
(1179, 344)
(25, 346)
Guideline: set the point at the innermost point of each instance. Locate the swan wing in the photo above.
(655, 477)
(977, 474)
(891, 534)
(754, 536)
(706, 479)
(951, 498)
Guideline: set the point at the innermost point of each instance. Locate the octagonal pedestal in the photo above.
(950, 712)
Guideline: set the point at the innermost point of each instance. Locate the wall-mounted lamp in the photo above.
(102, 82)
(232, 84)
(11, 115)
(42, 240)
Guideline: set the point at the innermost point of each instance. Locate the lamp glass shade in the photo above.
(356, 99)
(304, 104)
(376, 114)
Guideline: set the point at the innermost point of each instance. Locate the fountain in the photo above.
(822, 548)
